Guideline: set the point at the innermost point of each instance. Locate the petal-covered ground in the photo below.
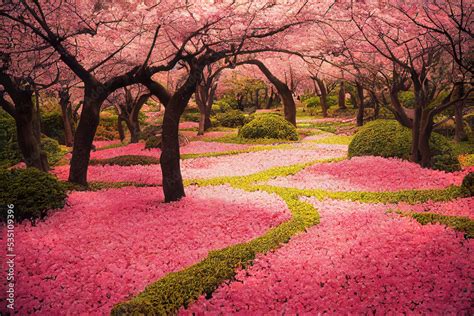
(358, 260)
(195, 147)
(253, 162)
(370, 174)
(108, 245)
(457, 207)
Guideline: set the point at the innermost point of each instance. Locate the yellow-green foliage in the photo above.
(126, 160)
(33, 192)
(459, 223)
(269, 126)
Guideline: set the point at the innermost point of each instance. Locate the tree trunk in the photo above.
(415, 151)
(120, 128)
(85, 136)
(459, 133)
(66, 116)
(289, 106)
(28, 133)
(342, 96)
(270, 99)
(426, 127)
(323, 97)
(361, 104)
(134, 128)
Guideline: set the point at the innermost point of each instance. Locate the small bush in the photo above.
(107, 129)
(9, 152)
(467, 186)
(126, 160)
(312, 102)
(52, 125)
(53, 150)
(221, 106)
(269, 126)
(232, 118)
(31, 191)
(155, 141)
(387, 138)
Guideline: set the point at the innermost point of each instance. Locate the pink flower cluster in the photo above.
(149, 174)
(102, 143)
(458, 207)
(195, 147)
(370, 174)
(107, 246)
(253, 162)
(188, 125)
(359, 260)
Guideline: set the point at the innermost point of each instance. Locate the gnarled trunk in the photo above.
(323, 97)
(120, 128)
(361, 104)
(28, 132)
(84, 136)
(66, 113)
(342, 96)
(459, 132)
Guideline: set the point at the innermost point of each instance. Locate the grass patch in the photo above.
(234, 139)
(97, 185)
(459, 223)
(126, 160)
(335, 140)
(116, 145)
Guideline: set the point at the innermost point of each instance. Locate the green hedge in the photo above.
(31, 191)
(387, 138)
(467, 186)
(126, 160)
(269, 126)
(9, 151)
(52, 125)
(233, 118)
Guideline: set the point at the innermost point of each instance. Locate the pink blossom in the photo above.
(359, 260)
(253, 162)
(107, 246)
(370, 174)
(188, 125)
(148, 174)
(458, 207)
(195, 147)
(103, 143)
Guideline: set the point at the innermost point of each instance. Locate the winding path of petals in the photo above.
(195, 147)
(370, 174)
(359, 260)
(253, 162)
(148, 174)
(108, 245)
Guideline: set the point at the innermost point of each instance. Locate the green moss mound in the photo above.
(269, 126)
(31, 191)
(9, 152)
(233, 118)
(52, 125)
(126, 160)
(387, 138)
(467, 187)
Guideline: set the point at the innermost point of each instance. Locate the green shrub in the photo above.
(52, 125)
(387, 138)
(269, 126)
(53, 150)
(312, 102)
(155, 141)
(467, 186)
(31, 191)
(221, 106)
(126, 160)
(107, 129)
(232, 118)
(9, 152)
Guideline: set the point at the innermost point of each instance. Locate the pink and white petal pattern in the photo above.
(358, 260)
(370, 174)
(108, 245)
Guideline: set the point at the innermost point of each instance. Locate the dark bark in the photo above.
(361, 104)
(270, 99)
(66, 112)
(289, 106)
(129, 113)
(27, 123)
(93, 99)
(205, 93)
(120, 129)
(415, 152)
(323, 97)
(459, 132)
(342, 96)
